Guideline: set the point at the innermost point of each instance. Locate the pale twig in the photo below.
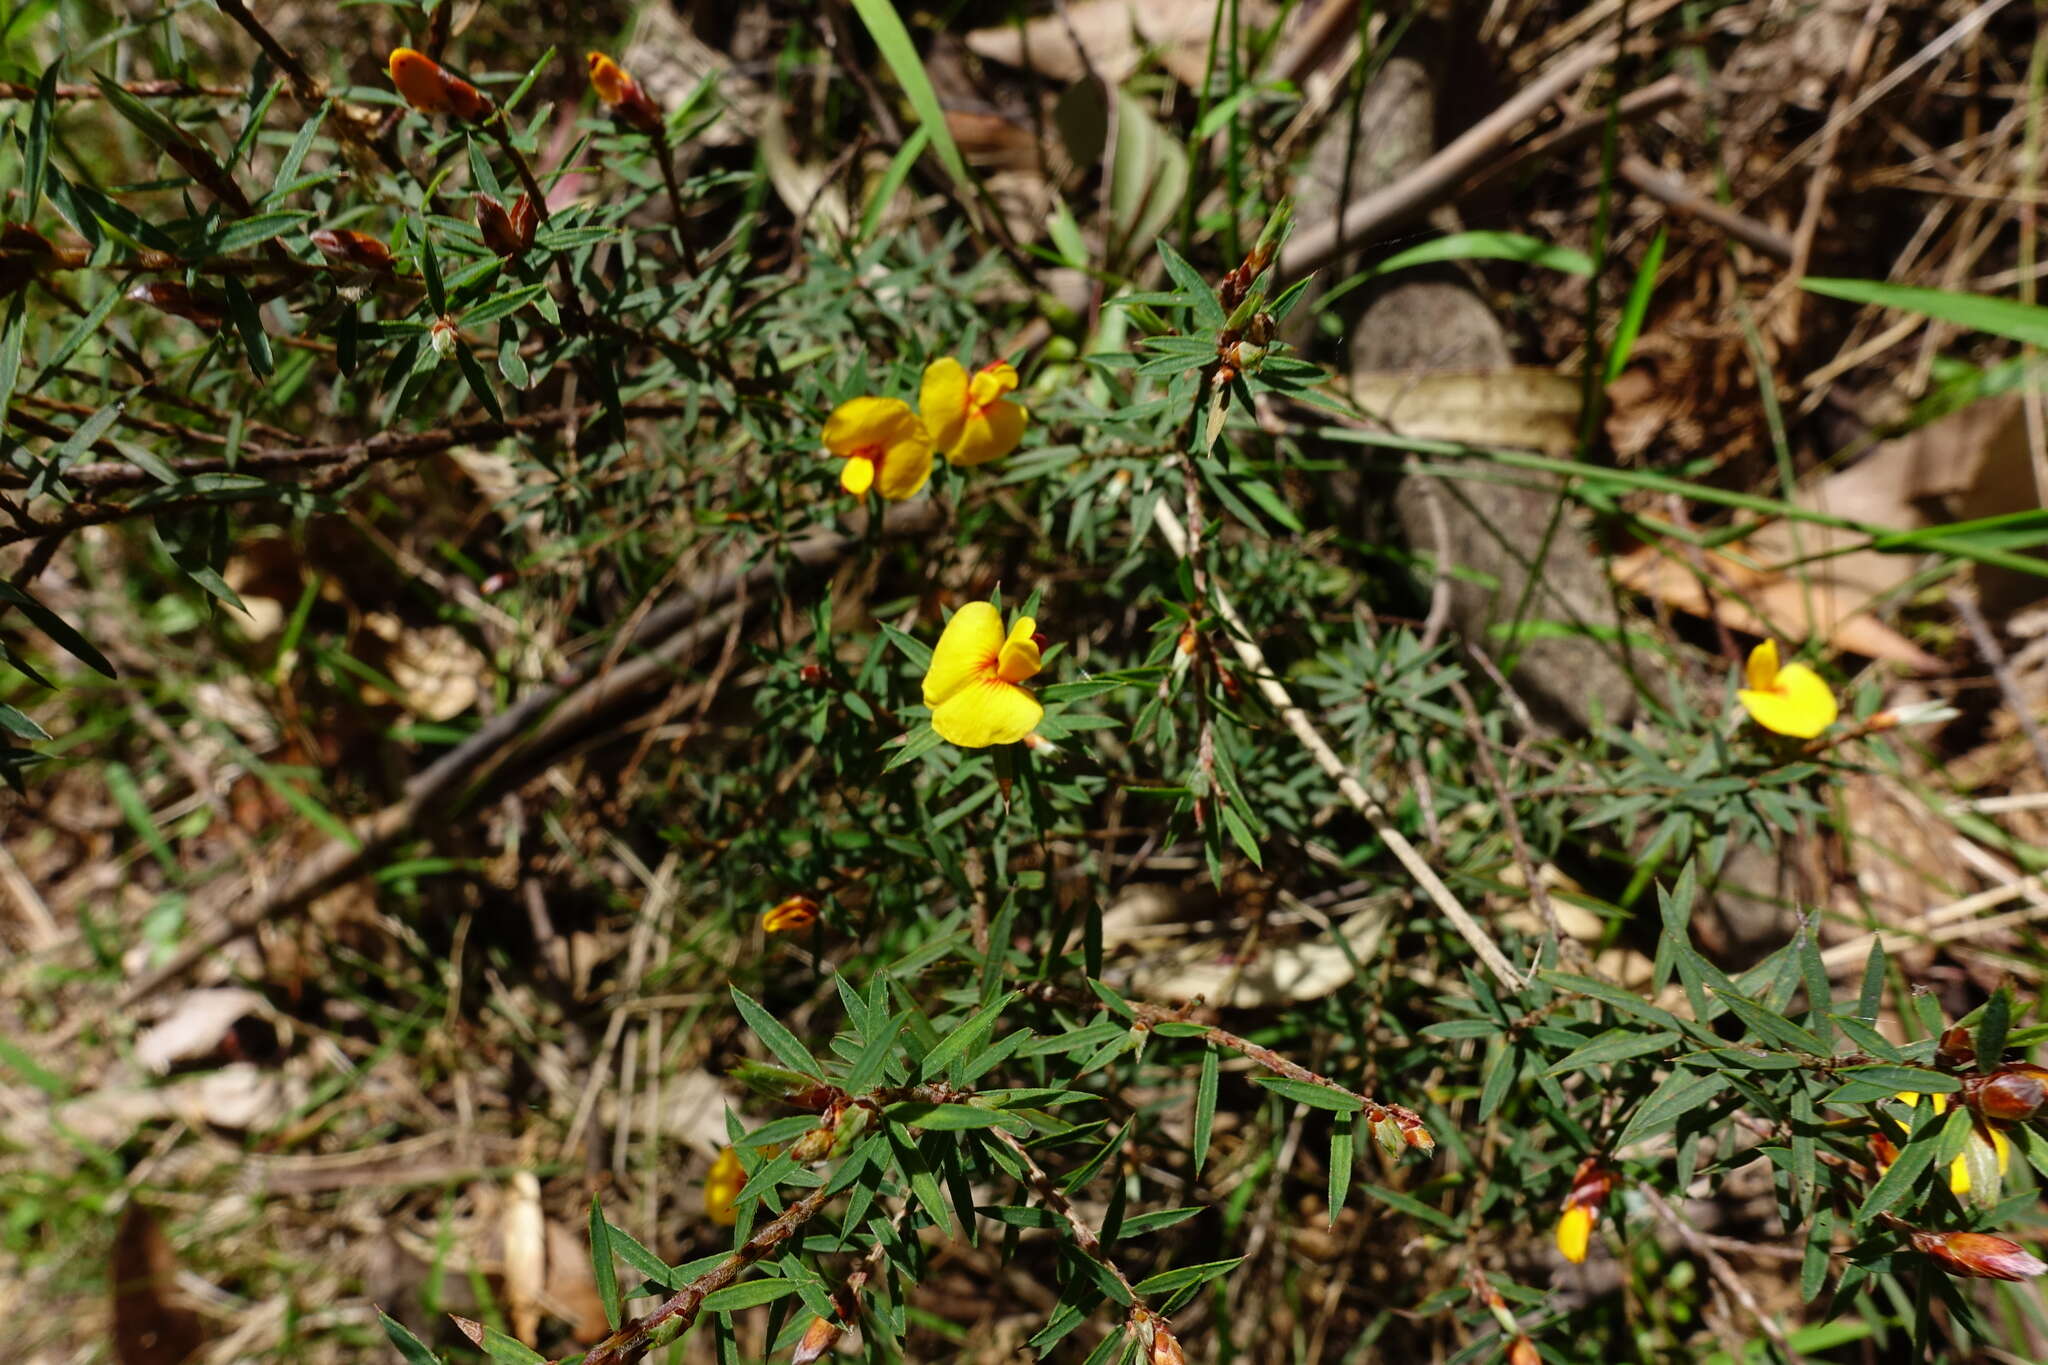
(1987, 646)
(1295, 719)
(1942, 923)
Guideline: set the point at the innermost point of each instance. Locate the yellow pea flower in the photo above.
(972, 684)
(969, 418)
(1789, 700)
(884, 445)
(1575, 1233)
(721, 1186)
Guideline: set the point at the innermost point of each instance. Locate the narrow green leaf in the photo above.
(1630, 325)
(1167, 1281)
(1678, 1095)
(2024, 322)
(1992, 1029)
(1341, 1138)
(54, 626)
(892, 180)
(751, 1294)
(779, 1040)
(885, 26)
(604, 1264)
(1315, 1096)
(411, 1347)
(1205, 1107)
(968, 1034)
(42, 116)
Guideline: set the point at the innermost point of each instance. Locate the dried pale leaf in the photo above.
(151, 1325)
(195, 1026)
(523, 1229)
(692, 1110)
(802, 186)
(571, 1289)
(1298, 971)
(1114, 37)
(1748, 600)
(1524, 407)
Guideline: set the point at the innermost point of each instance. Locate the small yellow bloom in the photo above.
(883, 444)
(972, 684)
(1989, 1153)
(969, 418)
(621, 93)
(1575, 1233)
(721, 1186)
(1792, 700)
(798, 912)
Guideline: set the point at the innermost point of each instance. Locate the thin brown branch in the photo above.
(675, 1315)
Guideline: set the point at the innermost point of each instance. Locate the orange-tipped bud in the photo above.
(1522, 1351)
(1413, 1132)
(820, 1337)
(2015, 1093)
(432, 89)
(356, 250)
(178, 301)
(795, 914)
(1979, 1255)
(1166, 1350)
(1956, 1048)
(622, 94)
(508, 234)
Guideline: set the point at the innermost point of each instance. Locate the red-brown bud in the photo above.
(1522, 1351)
(356, 250)
(508, 234)
(2015, 1093)
(1979, 1255)
(811, 675)
(1956, 1048)
(1165, 1349)
(175, 299)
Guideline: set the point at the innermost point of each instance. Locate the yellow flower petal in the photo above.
(1575, 1233)
(1798, 703)
(1019, 657)
(722, 1185)
(905, 466)
(966, 652)
(987, 711)
(885, 435)
(1762, 670)
(942, 401)
(989, 434)
(856, 476)
(991, 382)
(866, 423)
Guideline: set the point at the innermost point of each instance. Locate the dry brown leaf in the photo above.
(1529, 408)
(151, 1326)
(1969, 464)
(1308, 970)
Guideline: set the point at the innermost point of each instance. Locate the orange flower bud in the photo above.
(622, 94)
(821, 1336)
(1412, 1130)
(811, 675)
(1979, 1255)
(432, 89)
(508, 234)
(1522, 1351)
(358, 250)
(2015, 1093)
(178, 301)
(796, 913)
(1165, 1349)
(1956, 1048)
